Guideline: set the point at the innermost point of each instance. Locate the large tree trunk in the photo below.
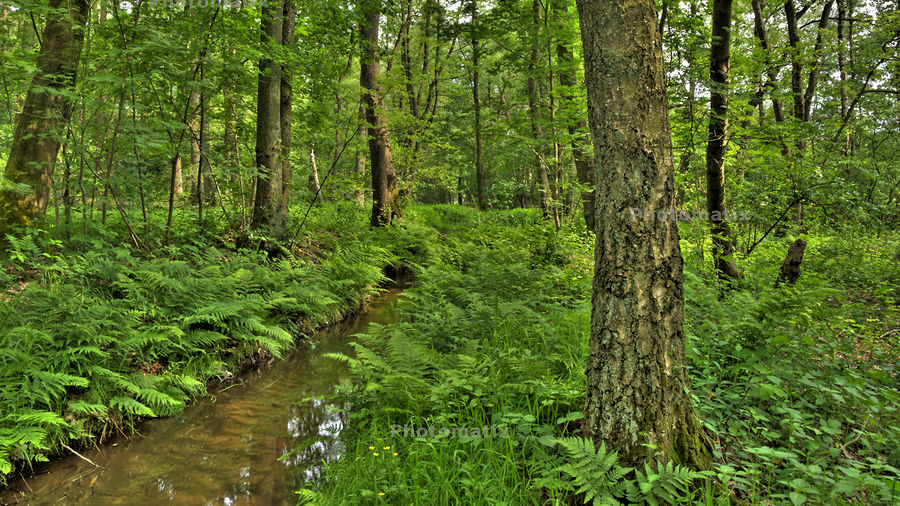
(479, 168)
(719, 58)
(584, 162)
(385, 203)
(268, 127)
(46, 110)
(637, 386)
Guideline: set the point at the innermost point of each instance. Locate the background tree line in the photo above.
(146, 107)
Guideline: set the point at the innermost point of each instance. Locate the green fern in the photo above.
(596, 474)
(662, 486)
(593, 472)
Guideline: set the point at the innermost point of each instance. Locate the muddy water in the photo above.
(235, 449)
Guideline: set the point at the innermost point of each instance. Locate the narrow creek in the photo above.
(223, 450)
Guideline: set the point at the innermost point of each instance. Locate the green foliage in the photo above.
(799, 384)
(95, 338)
(798, 396)
(594, 474)
(489, 337)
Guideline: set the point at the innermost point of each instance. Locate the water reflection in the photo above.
(236, 450)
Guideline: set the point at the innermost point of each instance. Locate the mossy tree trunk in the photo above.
(637, 384)
(36, 139)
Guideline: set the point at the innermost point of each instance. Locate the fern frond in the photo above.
(131, 406)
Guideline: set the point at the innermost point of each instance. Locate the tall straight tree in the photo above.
(45, 112)
(268, 126)
(385, 203)
(637, 386)
(289, 22)
(479, 167)
(547, 205)
(719, 60)
(584, 162)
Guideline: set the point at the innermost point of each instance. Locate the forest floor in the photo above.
(796, 386)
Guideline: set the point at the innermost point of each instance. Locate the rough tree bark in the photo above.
(637, 385)
(47, 106)
(790, 269)
(385, 203)
(268, 126)
(719, 60)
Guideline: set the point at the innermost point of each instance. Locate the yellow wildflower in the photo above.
(371, 447)
(386, 448)
(395, 454)
(380, 493)
(375, 454)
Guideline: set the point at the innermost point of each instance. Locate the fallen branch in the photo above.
(82, 457)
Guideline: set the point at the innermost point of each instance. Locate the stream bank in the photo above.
(236, 447)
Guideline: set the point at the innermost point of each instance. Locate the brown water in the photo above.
(224, 450)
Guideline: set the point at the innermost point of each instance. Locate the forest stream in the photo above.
(235, 447)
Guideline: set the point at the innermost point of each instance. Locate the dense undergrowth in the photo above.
(796, 386)
(95, 335)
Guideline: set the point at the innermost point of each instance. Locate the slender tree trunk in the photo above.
(205, 178)
(842, 68)
(384, 181)
(286, 115)
(578, 129)
(230, 99)
(771, 72)
(556, 175)
(637, 395)
(790, 11)
(194, 132)
(813, 79)
(719, 60)
(339, 110)
(36, 137)
(359, 194)
(534, 113)
(479, 167)
(268, 126)
(314, 186)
